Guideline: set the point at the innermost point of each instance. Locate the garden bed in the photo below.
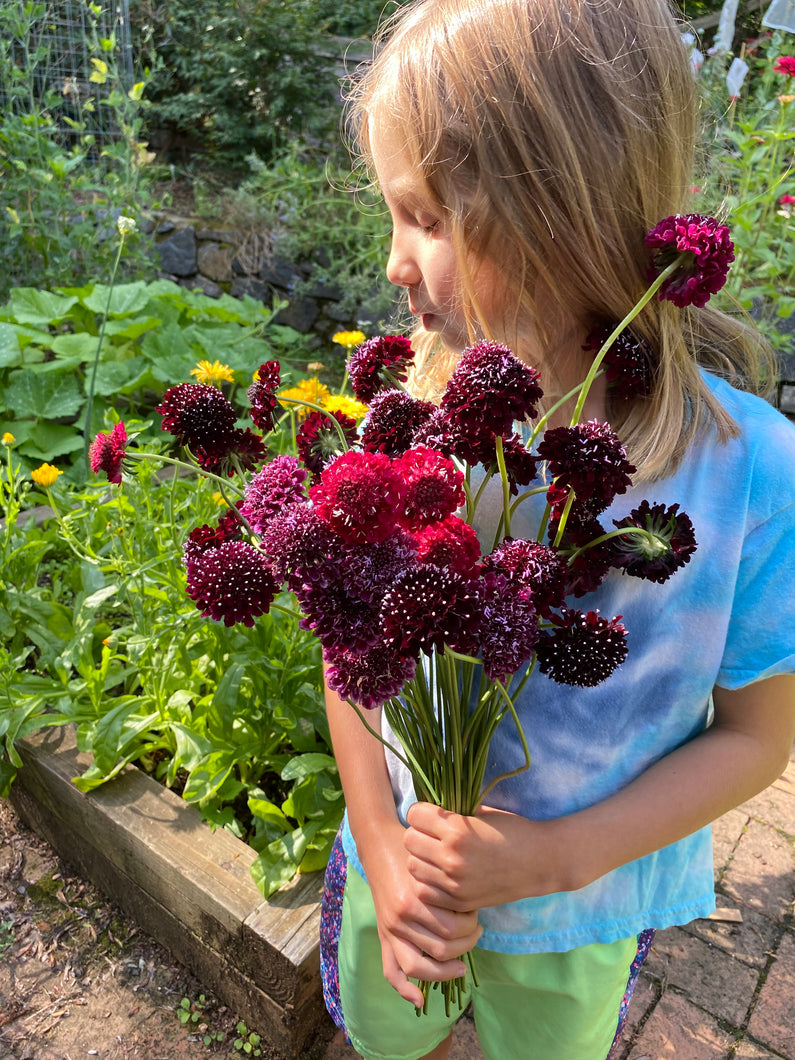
(186, 886)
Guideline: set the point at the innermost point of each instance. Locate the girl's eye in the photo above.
(432, 227)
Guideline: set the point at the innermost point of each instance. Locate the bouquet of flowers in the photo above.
(373, 529)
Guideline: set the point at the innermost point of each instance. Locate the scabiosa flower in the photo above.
(785, 64)
(370, 569)
(437, 433)
(426, 608)
(588, 458)
(370, 363)
(586, 570)
(247, 449)
(202, 538)
(489, 389)
(106, 453)
(318, 440)
(507, 627)
(533, 566)
(301, 549)
(434, 487)
(262, 395)
(450, 543)
(337, 617)
(709, 253)
(198, 415)
(231, 583)
(520, 464)
(360, 496)
(368, 678)
(277, 485)
(583, 649)
(394, 417)
(627, 362)
(669, 545)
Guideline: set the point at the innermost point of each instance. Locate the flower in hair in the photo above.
(360, 496)
(262, 395)
(707, 254)
(318, 440)
(426, 608)
(582, 649)
(627, 362)
(275, 486)
(106, 453)
(368, 678)
(393, 419)
(589, 459)
(667, 545)
(785, 64)
(489, 389)
(450, 543)
(231, 583)
(434, 487)
(379, 363)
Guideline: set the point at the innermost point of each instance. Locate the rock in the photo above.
(248, 285)
(203, 284)
(300, 314)
(215, 261)
(178, 253)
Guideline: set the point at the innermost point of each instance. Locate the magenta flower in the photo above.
(489, 389)
(583, 649)
(670, 546)
(394, 417)
(588, 458)
(507, 628)
(337, 618)
(449, 543)
(106, 453)
(437, 433)
(262, 395)
(533, 566)
(708, 252)
(378, 363)
(434, 487)
(360, 496)
(368, 678)
(627, 363)
(370, 569)
(785, 64)
(276, 486)
(318, 440)
(301, 549)
(231, 583)
(426, 608)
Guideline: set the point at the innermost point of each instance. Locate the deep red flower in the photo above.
(231, 583)
(394, 417)
(360, 496)
(520, 464)
(586, 570)
(437, 433)
(670, 546)
(533, 566)
(202, 538)
(106, 453)
(426, 608)
(785, 64)
(583, 649)
(338, 618)
(201, 418)
(318, 440)
(450, 543)
(489, 389)
(434, 487)
(368, 678)
(507, 628)
(627, 362)
(588, 458)
(708, 254)
(378, 363)
(262, 395)
(279, 484)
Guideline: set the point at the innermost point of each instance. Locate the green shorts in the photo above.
(543, 1006)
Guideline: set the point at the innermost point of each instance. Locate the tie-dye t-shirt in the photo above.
(726, 619)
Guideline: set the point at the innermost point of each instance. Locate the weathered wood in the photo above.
(187, 886)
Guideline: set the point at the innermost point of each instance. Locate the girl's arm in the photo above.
(495, 857)
(416, 940)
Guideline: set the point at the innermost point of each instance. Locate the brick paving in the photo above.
(716, 989)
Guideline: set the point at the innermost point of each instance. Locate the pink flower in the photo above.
(360, 496)
(277, 485)
(106, 453)
(434, 487)
(787, 200)
(785, 64)
(450, 543)
(708, 252)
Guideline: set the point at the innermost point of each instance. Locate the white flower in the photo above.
(125, 225)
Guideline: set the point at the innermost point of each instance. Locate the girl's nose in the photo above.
(401, 268)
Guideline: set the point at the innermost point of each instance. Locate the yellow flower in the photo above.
(348, 339)
(8, 438)
(349, 406)
(306, 390)
(316, 366)
(785, 99)
(45, 475)
(218, 498)
(206, 372)
(125, 225)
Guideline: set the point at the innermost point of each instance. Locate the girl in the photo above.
(524, 149)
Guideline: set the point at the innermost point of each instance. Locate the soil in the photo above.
(79, 979)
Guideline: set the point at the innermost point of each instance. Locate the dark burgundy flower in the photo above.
(262, 395)
(667, 546)
(507, 626)
(229, 528)
(394, 417)
(627, 362)
(489, 389)
(586, 570)
(426, 608)
(231, 583)
(368, 678)
(301, 548)
(318, 440)
(337, 617)
(106, 453)
(279, 484)
(434, 487)
(379, 363)
(583, 649)
(370, 569)
(533, 566)
(588, 458)
(360, 496)
(520, 464)
(450, 543)
(246, 452)
(785, 64)
(437, 433)
(708, 254)
(199, 416)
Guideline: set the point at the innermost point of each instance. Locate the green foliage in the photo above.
(247, 1042)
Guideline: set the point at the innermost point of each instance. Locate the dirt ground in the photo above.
(78, 979)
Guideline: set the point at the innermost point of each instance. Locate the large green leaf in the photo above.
(29, 306)
(50, 396)
(125, 299)
(80, 345)
(50, 440)
(10, 353)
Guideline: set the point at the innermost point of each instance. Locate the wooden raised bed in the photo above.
(186, 886)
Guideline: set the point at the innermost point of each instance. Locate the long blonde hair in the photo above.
(555, 134)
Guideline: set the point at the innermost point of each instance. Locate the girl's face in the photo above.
(423, 258)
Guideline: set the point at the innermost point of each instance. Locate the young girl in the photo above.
(524, 149)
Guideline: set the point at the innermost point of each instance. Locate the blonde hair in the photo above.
(555, 134)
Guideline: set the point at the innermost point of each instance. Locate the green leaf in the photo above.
(125, 299)
(206, 778)
(30, 306)
(49, 396)
(303, 766)
(10, 353)
(80, 345)
(50, 440)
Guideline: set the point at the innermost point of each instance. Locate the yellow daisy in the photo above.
(8, 438)
(348, 339)
(349, 406)
(206, 372)
(306, 390)
(46, 475)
